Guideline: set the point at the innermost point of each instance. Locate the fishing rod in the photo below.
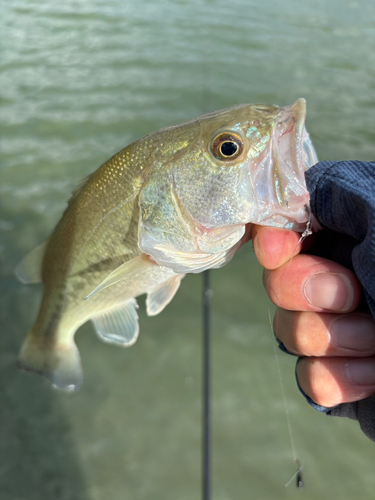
(206, 334)
(206, 389)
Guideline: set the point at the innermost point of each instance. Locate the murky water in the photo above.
(79, 81)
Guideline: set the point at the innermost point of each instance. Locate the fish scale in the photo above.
(168, 204)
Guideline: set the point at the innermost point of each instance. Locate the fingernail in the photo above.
(353, 332)
(329, 291)
(361, 371)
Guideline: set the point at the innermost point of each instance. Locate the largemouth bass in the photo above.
(173, 202)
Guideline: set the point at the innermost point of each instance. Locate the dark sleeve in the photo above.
(343, 201)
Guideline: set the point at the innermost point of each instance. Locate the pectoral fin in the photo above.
(29, 270)
(118, 326)
(134, 266)
(228, 256)
(183, 262)
(162, 295)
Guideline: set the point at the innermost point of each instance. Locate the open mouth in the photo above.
(293, 154)
(279, 176)
(292, 142)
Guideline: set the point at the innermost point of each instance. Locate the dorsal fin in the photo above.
(29, 270)
(79, 188)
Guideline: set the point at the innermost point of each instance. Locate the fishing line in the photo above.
(287, 416)
(298, 474)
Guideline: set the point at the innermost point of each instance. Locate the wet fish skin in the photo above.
(161, 207)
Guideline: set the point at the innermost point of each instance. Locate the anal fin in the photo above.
(118, 325)
(159, 298)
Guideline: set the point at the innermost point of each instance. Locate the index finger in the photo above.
(274, 246)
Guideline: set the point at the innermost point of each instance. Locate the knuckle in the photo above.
(300, 341)
(292, 327)
(271, 284)
(310, 336)
(319, 383)
(300, 345)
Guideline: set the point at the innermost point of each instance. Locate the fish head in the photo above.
(244, 164)
(247, 165)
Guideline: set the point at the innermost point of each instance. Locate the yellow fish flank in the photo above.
(173, 202)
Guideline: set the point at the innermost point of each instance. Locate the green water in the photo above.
(79, 81)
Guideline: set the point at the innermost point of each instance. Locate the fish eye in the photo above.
(226, 146)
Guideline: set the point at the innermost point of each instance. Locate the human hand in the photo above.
(316, 318)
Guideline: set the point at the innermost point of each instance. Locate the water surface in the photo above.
(79, 81)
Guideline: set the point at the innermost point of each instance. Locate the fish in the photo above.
(173, 202)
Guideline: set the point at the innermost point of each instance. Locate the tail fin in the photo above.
(60, 364)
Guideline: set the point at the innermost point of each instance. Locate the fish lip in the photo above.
(299, 115)
(303, 151)
(288, 134)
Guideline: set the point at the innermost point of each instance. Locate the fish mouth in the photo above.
(278, 175)
(293, 154)
(291, 139)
